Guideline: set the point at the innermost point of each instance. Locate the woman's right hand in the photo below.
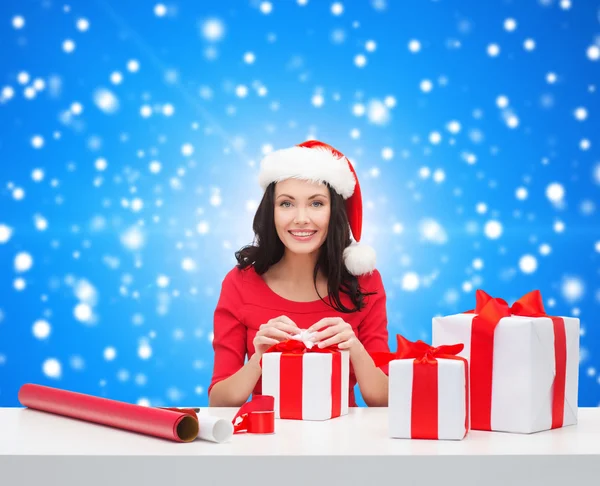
(276, 330)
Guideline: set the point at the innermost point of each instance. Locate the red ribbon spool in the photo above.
(256, 416)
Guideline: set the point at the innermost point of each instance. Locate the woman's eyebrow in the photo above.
(292, 197)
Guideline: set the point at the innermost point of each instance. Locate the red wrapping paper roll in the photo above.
(168, 424)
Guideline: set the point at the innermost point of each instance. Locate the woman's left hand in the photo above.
(334, 330)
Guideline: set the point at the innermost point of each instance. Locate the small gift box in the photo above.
(524, 364)
(428, 391)
(307, 382)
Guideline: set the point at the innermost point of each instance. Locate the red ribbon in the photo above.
(290, 377)
(489, 312)
(424, 405)
(256, 416)
(291, 346)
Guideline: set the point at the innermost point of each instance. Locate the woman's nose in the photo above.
(301, 216)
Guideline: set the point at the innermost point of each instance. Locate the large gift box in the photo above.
(428, 391)
(524, 364)
(307, 382)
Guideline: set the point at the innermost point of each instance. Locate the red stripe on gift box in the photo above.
(560, 356)
(290, 386)
(336, 385)
(424, 413)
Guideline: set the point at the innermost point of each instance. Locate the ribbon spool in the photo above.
(261, 422)
(256, 416)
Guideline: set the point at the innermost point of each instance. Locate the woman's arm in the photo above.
(371, 336)
(232, 381)
(373, 382)
(235, 390)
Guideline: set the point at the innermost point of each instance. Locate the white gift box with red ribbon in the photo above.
(307, 383)
(524, 364)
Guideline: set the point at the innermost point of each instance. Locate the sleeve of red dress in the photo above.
(229, 341)
(373, 331)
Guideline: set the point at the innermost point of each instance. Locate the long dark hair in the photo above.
(268, 249)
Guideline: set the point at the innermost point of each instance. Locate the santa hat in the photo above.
(318, 162)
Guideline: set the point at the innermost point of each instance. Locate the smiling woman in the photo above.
(303, 271)
(304, 218)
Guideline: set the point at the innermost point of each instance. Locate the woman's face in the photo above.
(302, 212)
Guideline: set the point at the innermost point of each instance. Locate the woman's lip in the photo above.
(303, 238)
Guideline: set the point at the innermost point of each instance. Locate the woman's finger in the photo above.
(326, 333)
(327, 321)
(264, 340)
(275, 333)
(348, 344)
(291, 330)
(338, 338)
(287, 320)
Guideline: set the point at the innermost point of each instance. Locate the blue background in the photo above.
(114, 294)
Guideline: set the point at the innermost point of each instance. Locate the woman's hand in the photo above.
(334, 330)
(276, 330)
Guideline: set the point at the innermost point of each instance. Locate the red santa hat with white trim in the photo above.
(318, 162)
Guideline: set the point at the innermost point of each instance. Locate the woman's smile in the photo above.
(302, 235)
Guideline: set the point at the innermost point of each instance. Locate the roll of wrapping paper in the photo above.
(211, 428)
(214, 429)
(179, 426)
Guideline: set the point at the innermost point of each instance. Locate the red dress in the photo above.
(246, 302)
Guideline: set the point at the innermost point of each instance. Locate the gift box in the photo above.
(523, 363)
(428, 391)
(307, 382)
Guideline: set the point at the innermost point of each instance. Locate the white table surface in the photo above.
(37, 446)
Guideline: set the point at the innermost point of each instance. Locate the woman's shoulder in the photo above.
(238, 275)
(371, 282)
(234, 285)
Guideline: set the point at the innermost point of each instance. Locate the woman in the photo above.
(303, 272)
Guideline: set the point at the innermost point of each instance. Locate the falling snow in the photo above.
(129, 185)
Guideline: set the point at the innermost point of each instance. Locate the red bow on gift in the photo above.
(419, 350)
(489, 311)
(424, 403)
(530, 305)
(292, 346)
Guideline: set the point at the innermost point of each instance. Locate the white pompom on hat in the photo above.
(318, 162)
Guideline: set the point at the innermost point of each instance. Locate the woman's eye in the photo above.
(287, 204)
